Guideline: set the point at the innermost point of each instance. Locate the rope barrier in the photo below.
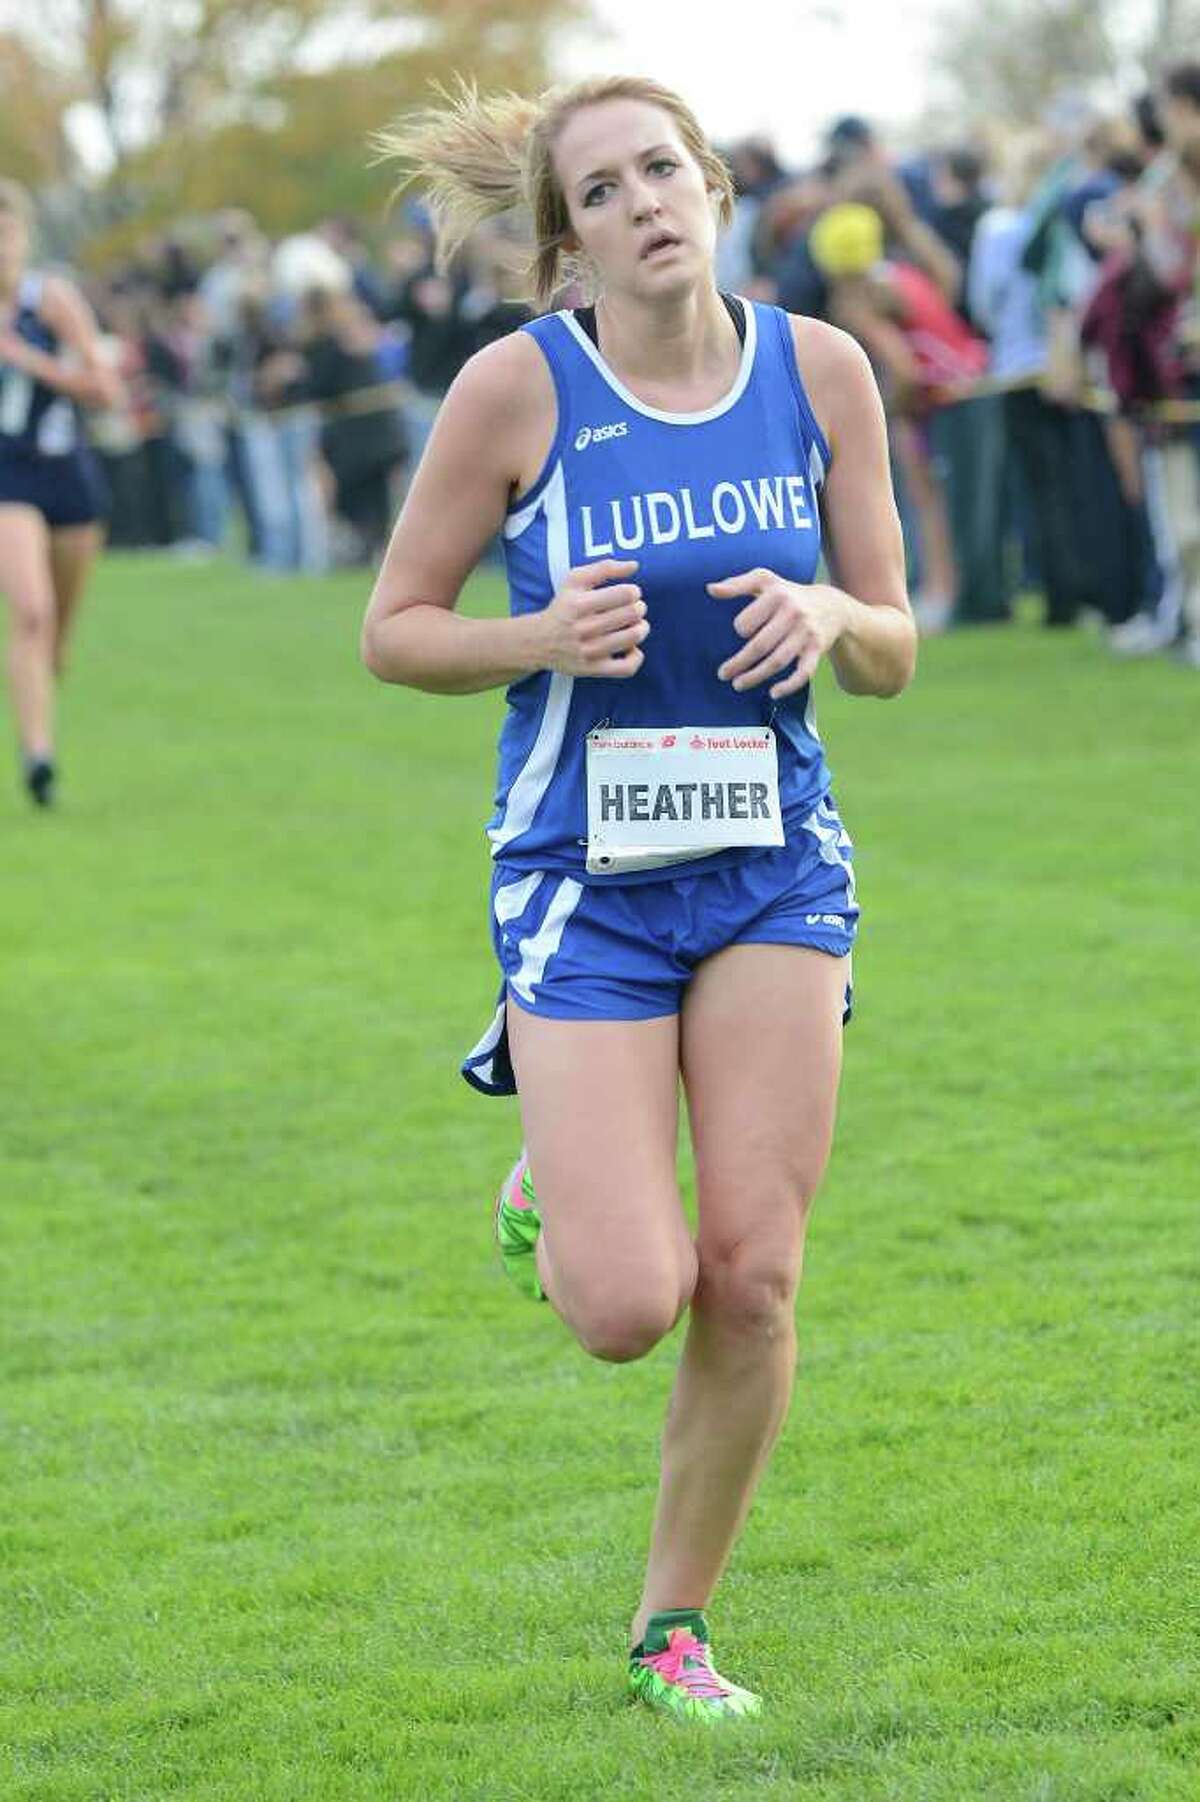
(380, 396)
(1090, 399)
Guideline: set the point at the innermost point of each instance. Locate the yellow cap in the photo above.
(847, 240)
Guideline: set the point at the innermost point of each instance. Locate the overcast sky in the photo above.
(783, 67)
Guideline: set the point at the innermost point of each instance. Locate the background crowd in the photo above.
(1030, 306)
(277, 394)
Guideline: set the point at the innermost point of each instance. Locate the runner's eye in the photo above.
(663, 164)
(596, 193)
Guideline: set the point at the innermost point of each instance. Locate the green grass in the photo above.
(298, 1500)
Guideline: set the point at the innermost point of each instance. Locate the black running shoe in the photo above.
(39, 780)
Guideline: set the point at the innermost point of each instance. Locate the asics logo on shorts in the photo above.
(825, 920)
(596, 434)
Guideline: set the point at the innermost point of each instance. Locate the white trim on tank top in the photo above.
(640, 406)
(529, 786)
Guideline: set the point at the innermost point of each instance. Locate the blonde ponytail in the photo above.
(467, 154)
(477, 158)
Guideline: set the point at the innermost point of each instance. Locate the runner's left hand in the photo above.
(785, 623)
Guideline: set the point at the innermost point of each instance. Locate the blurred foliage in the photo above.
(266, 104)
(33, 96)
(1007, 60)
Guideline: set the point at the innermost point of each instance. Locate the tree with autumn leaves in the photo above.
(160, 109)
(187, 106)
(1006, 61)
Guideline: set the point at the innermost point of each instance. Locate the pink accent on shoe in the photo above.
(685, 1662)
(514, 1185)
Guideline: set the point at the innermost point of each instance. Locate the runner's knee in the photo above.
(619, 1328)
(749, 1287)
(32, 614)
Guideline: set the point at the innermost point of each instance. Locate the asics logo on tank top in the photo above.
(661, 516)
(596, 434)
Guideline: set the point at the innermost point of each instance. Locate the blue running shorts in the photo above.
(67, 490)
(570, 950)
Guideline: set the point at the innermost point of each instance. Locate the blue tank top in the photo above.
(693, 497)
(35, 421)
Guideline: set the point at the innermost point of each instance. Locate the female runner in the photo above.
(50, 498)
(672, 895)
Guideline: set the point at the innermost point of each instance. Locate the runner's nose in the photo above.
(644, 203)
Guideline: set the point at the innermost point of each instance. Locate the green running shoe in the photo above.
(517, 1224)
(672, 1671)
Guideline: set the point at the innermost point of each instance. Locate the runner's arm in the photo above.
(876, 647)
(455, 506)
(82, 373)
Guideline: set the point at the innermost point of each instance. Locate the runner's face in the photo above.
(636, 198)
(14, 248)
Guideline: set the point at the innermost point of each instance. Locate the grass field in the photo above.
(299, 1500)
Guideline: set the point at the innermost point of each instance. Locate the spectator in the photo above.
(757, 173)
(345, 238)
(794, 279)
(859, 171)
(119, 433)
(490, 303)
(281, 442)
(428, 304)
(958, 201)
(362, 435)
(949, 449)
(1142, 316)
(1137, 323)
(1003, 298)
(192, 369)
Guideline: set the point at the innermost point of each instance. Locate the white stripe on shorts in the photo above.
(832, 838)
(481, 1057)
(537, 950)
(512, 898)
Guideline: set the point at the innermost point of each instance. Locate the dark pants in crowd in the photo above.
(1040, 437)
(364, 451)
(365, 502)
(145, 485)
(967, 440)
(1118, 552)
(126, 487)
(240, 476)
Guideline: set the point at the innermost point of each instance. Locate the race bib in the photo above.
(661, 795)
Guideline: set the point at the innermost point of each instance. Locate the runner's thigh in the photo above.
(73, 550)
(25, 579)
(761, 1055)
(600, 1108)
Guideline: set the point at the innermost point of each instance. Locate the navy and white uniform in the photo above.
(44, 462)
(693, 498)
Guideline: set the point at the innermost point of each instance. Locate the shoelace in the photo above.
(685, 1661)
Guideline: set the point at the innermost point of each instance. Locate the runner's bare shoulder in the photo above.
(502, 403)
(832, 366)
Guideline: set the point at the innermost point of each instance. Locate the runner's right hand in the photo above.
(596, 622)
